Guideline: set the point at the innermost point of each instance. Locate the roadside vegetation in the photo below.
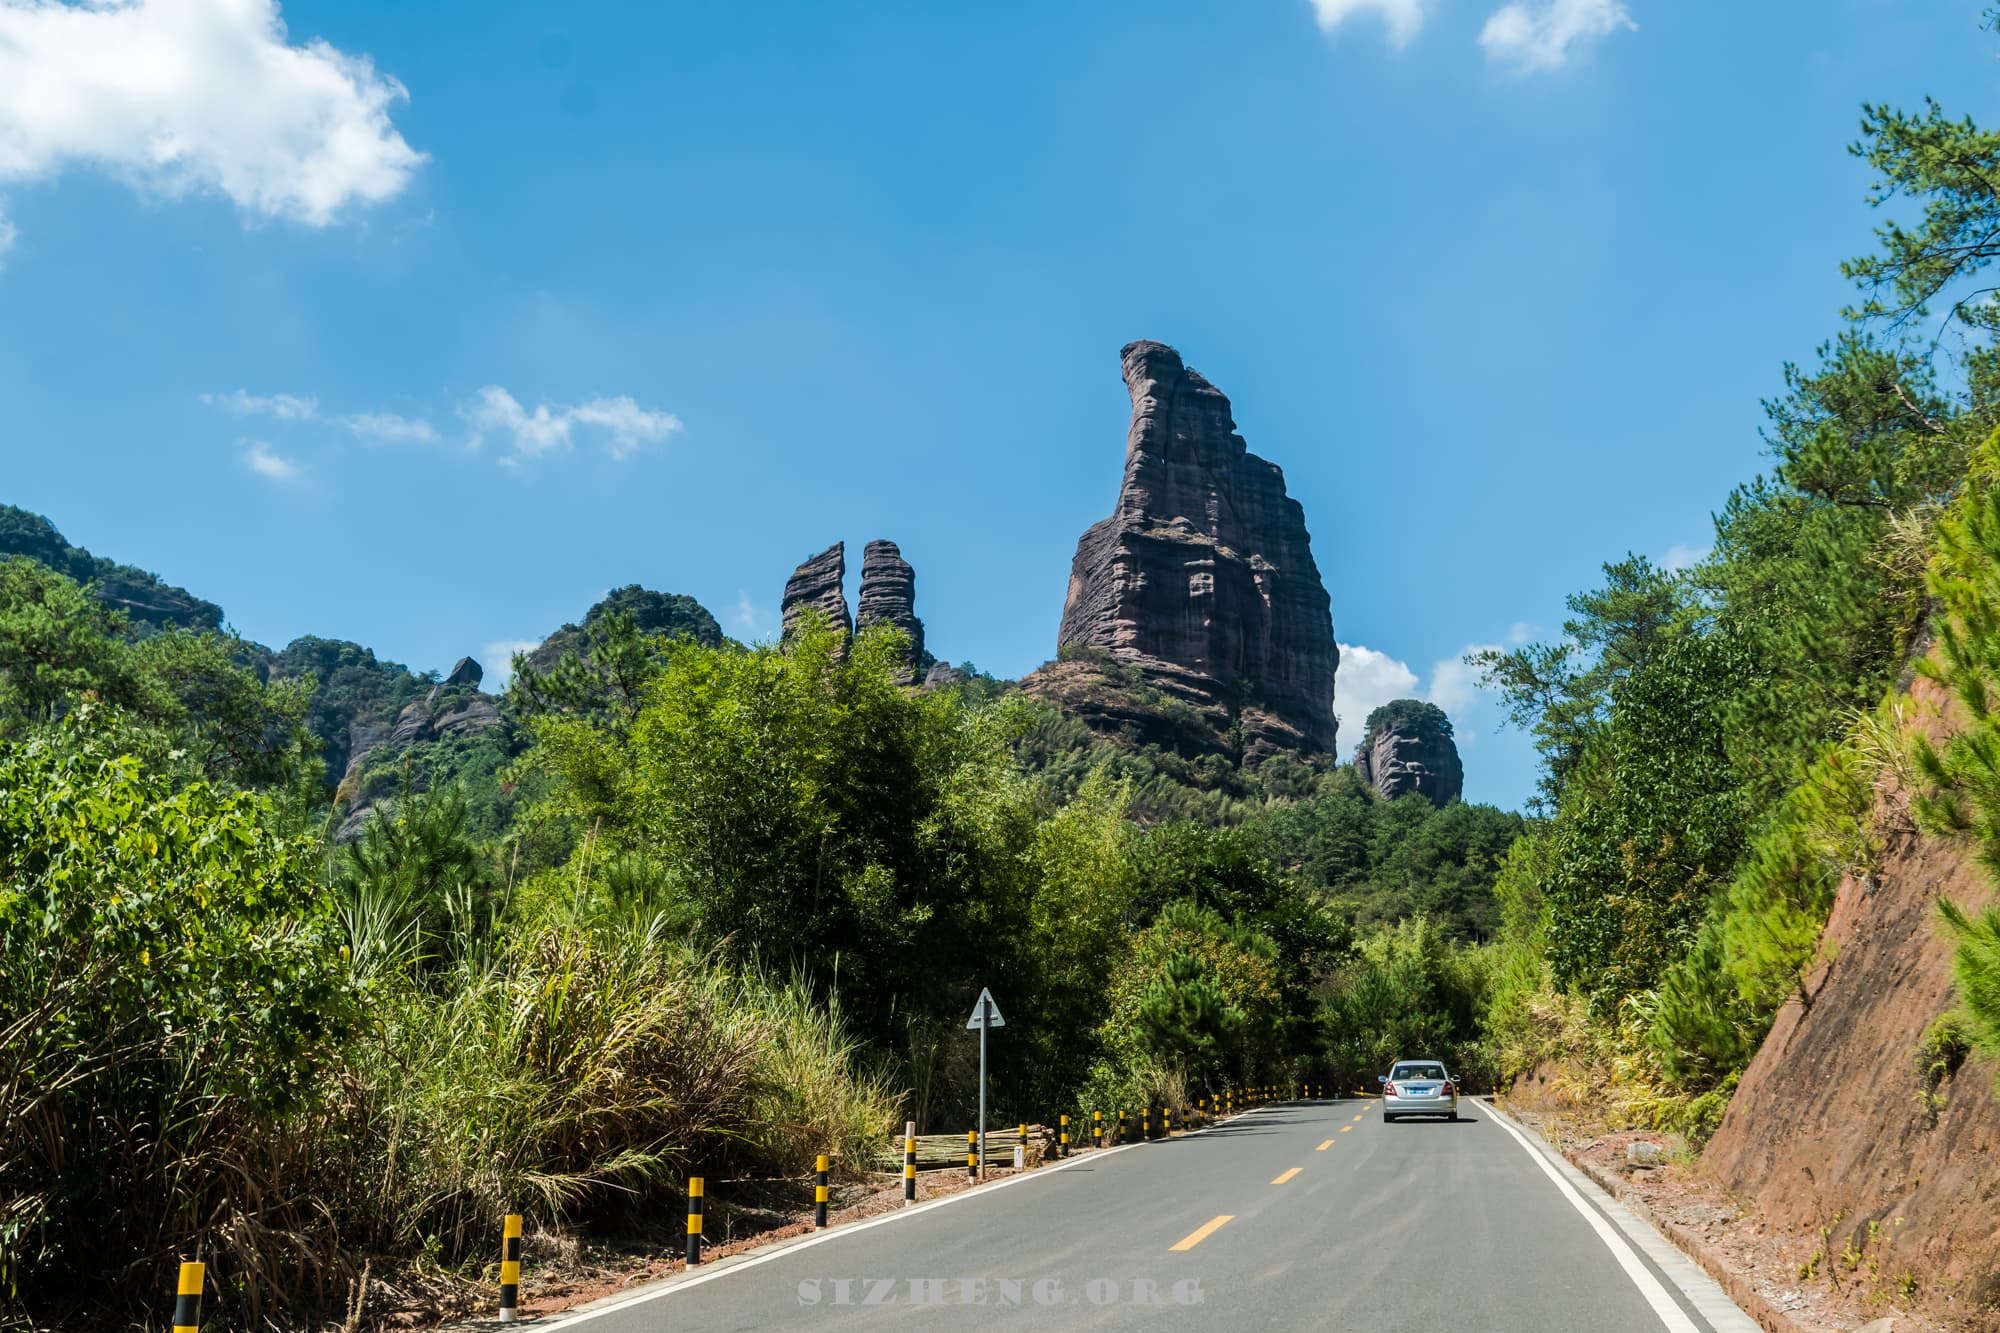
(1722, 744)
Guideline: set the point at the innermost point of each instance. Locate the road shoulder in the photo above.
(1690, 1280)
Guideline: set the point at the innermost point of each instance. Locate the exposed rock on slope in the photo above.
(815, 585)
(147, 601)
(1202, 580)
(465, 671)
(889, 597)
(1408, 748)
(1829, 1127)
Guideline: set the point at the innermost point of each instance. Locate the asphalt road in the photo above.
(1335, 1221)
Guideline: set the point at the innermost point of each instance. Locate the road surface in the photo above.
(1310, 1215)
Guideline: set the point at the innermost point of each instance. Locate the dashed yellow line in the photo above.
(1288, 1175)
(1347, 1129)
(1203, 1232)
(1357, 1117)
(1324, 1146)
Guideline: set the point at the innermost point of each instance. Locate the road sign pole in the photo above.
(984, 1005)
(985, 1014)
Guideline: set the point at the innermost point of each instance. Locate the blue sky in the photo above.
(425, 325)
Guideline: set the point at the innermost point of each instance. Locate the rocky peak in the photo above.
(1203, 577)
(465, 671)
(889, 597)
(816, 585)
(1408, 748)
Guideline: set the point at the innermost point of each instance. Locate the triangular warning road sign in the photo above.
(985, 1013)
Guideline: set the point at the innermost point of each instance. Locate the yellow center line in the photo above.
(1203, 1232)
(1357, 1117)
(1324, 1146)
(1345, 1129)
(1288, 1175)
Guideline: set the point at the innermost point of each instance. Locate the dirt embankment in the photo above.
(1835, 1134)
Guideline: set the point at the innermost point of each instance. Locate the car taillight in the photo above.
(1388, 1089)
(1450, 1091)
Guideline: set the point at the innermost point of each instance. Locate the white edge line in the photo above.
(1664, 1305)
(669, 1286)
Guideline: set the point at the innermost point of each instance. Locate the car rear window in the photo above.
(1418, 1071)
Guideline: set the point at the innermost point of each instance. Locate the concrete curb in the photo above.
(1738, 1288)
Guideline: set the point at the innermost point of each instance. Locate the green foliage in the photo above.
(1409, 993)
(416, 895)
(1184, 1018)
(1562, 693)
(1950, 165)
(1650, 825)
(1425, 716)
(349, 683)
(1198, 1002)
(1976, 969)
(172, 993)
(811, 812)
(199, 705)
(1379, 862)
(150, 604)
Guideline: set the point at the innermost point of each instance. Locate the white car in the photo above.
(1418, 1087)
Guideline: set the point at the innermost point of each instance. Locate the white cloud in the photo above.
(1455, 686)
(1364, 682)
(283, 406)
(180, 97)
(1542, 34)
(1681, 556)
(390, 428)
(746, 616)
(7, 234)
(1401, 17)
(264, 463)
(1520, 632)
(531, 434)
(499, 659)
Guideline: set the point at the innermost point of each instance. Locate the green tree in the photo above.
(1560, 693)
(1652, 823)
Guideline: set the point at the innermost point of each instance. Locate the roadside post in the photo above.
(510, 1268)
(187, 1297)
(985, 1015)
(1097, 1128)
(909, 1161)
(1063, 1144)
(819, 1192)
(695, 1184)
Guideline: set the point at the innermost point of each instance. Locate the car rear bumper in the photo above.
(1420, 1106)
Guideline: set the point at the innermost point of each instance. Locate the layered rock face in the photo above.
(1409, 749)
(889, 597)
(815, 585)
(1203, 579)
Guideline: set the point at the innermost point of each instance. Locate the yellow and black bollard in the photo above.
(1097, 1129)
(909, 1167)
(819, 1191)
(1062, 1149)
(1167, 1114)
(695, 1184)
(972, 1154)
(510, 1268)
(1123, 1137)
(187, 1298)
